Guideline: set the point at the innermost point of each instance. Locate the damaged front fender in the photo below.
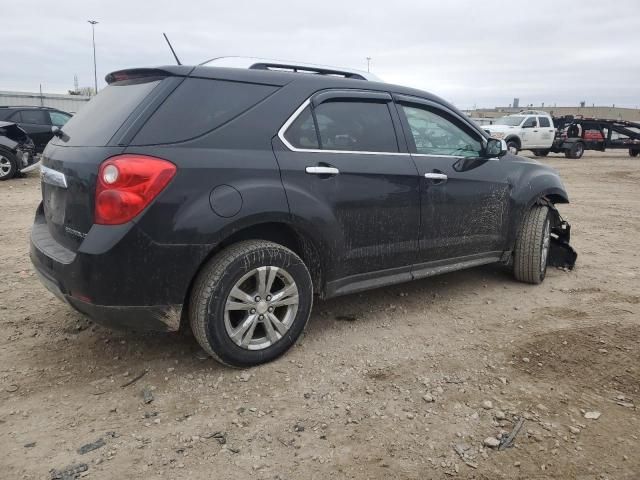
(561, 254)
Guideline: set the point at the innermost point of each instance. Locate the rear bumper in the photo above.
(132, 317)
(134, 284)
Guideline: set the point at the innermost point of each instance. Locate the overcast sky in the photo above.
(472, 52)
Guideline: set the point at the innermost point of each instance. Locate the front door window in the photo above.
(436, 135)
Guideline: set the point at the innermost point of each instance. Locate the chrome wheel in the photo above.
(261, 307)
(546, 242)
(5, 166)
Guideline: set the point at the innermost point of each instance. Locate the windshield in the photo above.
(510, 121)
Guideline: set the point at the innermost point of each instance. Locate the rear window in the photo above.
(199, 106)
(98, 120)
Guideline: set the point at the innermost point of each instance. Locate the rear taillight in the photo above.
(127, 184)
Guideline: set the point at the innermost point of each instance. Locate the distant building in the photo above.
(612, 113)
(516, 102)
(66, 103)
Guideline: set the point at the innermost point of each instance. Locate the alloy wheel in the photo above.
(261, 307)
(5, 166)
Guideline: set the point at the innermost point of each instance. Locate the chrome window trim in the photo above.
(305, 104)
(457, 157)
(293, 118)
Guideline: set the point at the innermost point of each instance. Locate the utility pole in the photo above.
(95, 70)
(368, 64)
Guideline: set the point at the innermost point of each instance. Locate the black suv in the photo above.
(228, 197)
(36, 121)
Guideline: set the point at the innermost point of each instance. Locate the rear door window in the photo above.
(98, 120)
(544, 122)
(35, 117)
(356, 126)
(199, 106)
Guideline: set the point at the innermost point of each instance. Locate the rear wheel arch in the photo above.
(282, 233)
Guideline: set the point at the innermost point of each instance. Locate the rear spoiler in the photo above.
(142, 73)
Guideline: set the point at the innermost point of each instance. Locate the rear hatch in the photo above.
(101, 129)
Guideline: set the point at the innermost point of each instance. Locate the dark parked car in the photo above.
(36, 121)
(17, 152)
(229, 197)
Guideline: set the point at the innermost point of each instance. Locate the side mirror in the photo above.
(495, 148)
(56, 131)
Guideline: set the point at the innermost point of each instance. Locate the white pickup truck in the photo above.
(528, 130)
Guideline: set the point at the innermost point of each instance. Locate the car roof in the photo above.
(313, 82)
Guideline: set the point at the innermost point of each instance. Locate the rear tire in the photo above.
(576, 151)
(8, 165)
(250, 303)
(531, 252)
(633, 153)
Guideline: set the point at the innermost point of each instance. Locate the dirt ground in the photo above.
(401, 382)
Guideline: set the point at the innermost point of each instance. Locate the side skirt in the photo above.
(382, 278)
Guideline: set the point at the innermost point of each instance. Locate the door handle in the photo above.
(322, 170)
(536, 131)
(436, 176)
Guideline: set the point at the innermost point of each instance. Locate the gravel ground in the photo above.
(412, 381)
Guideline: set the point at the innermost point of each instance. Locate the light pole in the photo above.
(95, 70)
(368, 63)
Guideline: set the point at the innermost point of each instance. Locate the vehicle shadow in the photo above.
(94, 344)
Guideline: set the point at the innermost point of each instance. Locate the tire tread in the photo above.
(526, 261)
(210, 276)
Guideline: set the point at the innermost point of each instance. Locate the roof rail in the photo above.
(287, 66)
(28, 106)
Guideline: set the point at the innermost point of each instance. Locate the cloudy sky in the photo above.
(472, 52)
